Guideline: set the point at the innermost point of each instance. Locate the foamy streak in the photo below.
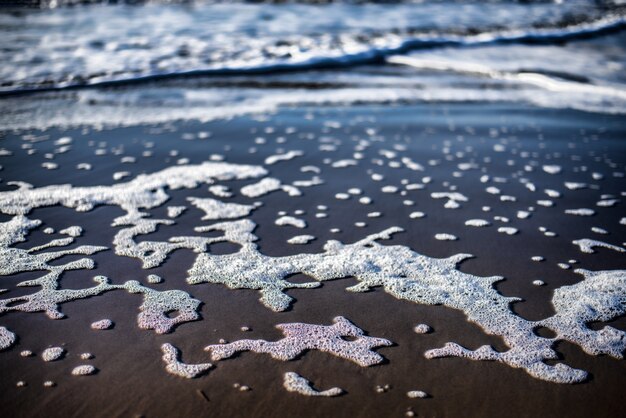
(174, 366)
(300, 337)
(134, 112)
(293, 382)
(587, 245)
(539, 80)
(405, 275)
(273, 159)
(146, 191)
(143, 192)
(351, 52)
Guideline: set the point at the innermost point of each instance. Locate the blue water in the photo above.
(554, 54)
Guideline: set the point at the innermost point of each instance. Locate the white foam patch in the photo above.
(174, 366)
(607, 203)
(552, 168)
(300, 337)
(301, 239)
(599, 297)
(273, 159)
(102, 324)
(153, 312)
(422, 329)
(290, 221)
(587, 245)
(175, 211)
(146, 191)
(7, 338)
(344, 163)
(580, 212)
(293, 382)
(453, 199)
(477, 223)
(215, 209)
(445, 237)
(84, 370)
(154, 279)
(405, 275)
(417, 394)
(52, 353)
(508, 230)
(575, 186)
(220, 190)
(261, 188)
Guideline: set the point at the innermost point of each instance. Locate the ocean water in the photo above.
(218, 60)
(415, 208)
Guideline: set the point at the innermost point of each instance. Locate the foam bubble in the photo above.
(52, 353)
(261, 188)
(477, 222)
(84, 370)
(154, 279)
(301, 239)
(417, 394)
(102, 324)
(293, 382)
(445, 237)
(552, 168)
(422, 329)
(508, 230)
(607, 203)
(175, 211)
(290, 221)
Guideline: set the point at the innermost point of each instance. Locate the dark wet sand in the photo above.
(132, 380)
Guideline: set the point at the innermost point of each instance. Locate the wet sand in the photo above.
(132, 380)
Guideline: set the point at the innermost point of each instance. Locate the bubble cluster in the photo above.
(102, 324)
(301, 239)
(52, 353)
(7, 338)
(293, 382)
(300, 337)
(174, 366)
(587, 245)
(84, 370)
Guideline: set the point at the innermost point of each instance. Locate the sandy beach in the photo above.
(454, 146)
